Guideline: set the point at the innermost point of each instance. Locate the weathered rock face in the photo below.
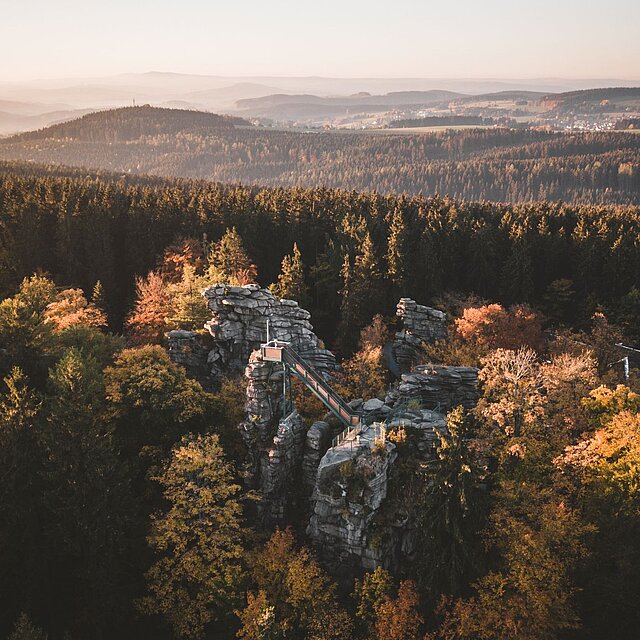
(316, 445)
(420, 325)
(438, 387)
(280, 467)
(239, 326)
(351, 485)
(348, 496)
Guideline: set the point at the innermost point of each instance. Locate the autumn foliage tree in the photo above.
(365, 375)
(70, 308)
(530, 595)
(604, 469)
(399, 618)
(196, 579)
(291, 591)
(146, 323)
(494, 327)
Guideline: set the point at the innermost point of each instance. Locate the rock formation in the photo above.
(352, 480)
(348, 484)
(420, 325)
(275, 437)
(351, 485)
(317, 443)
(280, 468)
(239, 326)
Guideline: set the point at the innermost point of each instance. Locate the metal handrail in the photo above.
(319, 386)
(295, 363)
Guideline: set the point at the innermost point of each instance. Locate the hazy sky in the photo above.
(397, 38)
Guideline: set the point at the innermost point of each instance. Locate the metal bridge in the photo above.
(278, 351)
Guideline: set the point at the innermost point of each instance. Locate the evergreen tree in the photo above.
(24, 334)
(517, 272)
(360, 293)
(397, 252)
(98, 299)
(229, 262)
(188, 305)
(451, 513)
(291, 284)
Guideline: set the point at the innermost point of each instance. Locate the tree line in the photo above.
(82, 229)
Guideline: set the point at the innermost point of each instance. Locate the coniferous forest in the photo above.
(124, 511)
(500, 164)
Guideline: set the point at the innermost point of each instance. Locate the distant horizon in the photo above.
(498, 39)
(310, 76)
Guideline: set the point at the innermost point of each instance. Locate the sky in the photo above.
(337, 38)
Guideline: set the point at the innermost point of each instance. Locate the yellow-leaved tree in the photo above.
(195, 581)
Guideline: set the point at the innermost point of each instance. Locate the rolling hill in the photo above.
(513, 165)
(132, 123)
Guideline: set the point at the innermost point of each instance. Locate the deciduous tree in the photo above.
(195, 582)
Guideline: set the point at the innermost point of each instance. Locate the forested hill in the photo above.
(594, 96)
(133, 123)
(495, 164)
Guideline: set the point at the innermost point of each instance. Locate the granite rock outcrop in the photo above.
(421, 325)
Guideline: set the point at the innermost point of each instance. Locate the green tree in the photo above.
(88, 509)
(559, 302)
(229, 262)
(195, 581)
(360, 292)
(24, 334)
(291, 284)
(188, 307)
(153, 402)
(397, 252)
(517, 278)
(451, 513)
(98, 296)
(370, 592)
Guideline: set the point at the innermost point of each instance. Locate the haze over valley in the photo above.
(321, 102)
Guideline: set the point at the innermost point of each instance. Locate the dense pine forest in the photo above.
(479, 164)
(124, 511)
(81, 229)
